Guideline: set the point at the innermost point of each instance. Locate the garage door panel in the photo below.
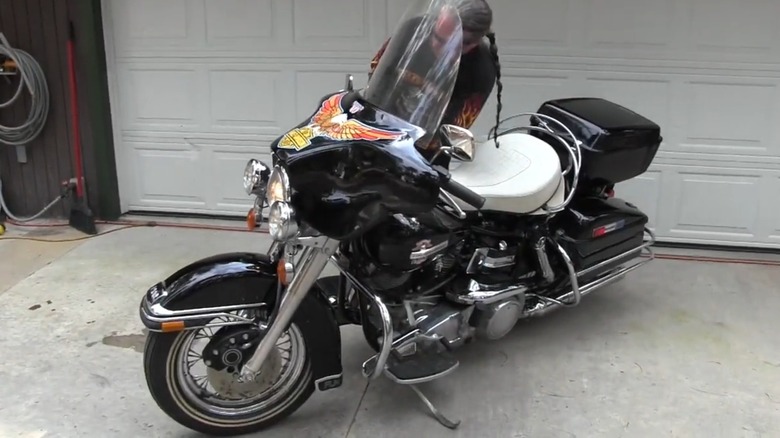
(735, 27)
(246, 100)
(541, 25)
(178, 97)
(168, 177)
(730, 117)
(770, 213)
(620, 24)
(720, 204)
(194, 175)
(242, 24)
(158, 97)
(154, 23)
(340, 23)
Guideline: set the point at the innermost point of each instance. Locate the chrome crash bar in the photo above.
(574, 296)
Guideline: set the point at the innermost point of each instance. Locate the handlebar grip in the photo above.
(464, 193)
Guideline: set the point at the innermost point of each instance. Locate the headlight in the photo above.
(256, 176)
(278, 186)
(281, 221)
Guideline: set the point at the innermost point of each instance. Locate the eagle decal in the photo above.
(332, 122)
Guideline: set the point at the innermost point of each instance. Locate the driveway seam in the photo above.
(357, 409)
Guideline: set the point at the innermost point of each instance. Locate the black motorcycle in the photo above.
(430, 257)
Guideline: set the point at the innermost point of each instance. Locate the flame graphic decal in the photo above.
(470, 111)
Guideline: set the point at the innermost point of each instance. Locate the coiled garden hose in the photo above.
(4, 208)
(33, 78)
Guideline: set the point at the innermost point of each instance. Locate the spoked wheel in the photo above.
(194, 377)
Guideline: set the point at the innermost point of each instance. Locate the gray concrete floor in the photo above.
(681, 349)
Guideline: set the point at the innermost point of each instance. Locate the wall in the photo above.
(40, 27)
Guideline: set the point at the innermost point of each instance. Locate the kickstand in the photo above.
(435, 412)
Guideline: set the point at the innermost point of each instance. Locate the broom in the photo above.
(81, 217)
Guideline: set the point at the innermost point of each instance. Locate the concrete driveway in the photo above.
(678, 349)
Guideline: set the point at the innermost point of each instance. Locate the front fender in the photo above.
(222, 280)
(191, 297)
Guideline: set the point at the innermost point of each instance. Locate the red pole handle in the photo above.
(74, 110)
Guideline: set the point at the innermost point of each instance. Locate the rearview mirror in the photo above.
(461, 142)
(350, 83)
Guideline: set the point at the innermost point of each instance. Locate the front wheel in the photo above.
(214, 400)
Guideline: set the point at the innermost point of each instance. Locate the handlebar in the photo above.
(459, 190)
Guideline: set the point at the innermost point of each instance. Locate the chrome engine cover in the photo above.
(494, 321)
(447, 322)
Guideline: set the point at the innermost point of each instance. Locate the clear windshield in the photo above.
(417, 71)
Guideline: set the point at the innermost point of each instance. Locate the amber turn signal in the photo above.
(281, 272)
(251, 219)
(172, 326)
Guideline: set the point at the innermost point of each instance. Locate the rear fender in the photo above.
(208, 288)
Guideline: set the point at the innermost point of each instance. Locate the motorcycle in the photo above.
(429, 257)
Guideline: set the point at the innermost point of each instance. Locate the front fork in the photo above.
(315, 255)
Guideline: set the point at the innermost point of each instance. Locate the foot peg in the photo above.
(420, 367)
(414, 369)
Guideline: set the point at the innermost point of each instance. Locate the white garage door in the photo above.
(199, 86)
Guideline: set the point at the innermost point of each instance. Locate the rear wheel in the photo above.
(193, 377)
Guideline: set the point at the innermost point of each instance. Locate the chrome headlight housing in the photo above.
(278, 186)
(256, 177)
(282, 223)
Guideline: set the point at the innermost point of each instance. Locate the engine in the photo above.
(415, 262)
(407, 257)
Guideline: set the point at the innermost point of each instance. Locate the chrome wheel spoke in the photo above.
(223, 392)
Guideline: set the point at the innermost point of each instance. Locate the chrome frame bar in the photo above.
(159, 314)
(387, 343)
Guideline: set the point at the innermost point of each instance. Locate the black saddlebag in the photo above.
(595, 229)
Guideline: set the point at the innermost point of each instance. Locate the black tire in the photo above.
(160, 359)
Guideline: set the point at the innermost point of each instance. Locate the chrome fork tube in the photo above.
(313, 261)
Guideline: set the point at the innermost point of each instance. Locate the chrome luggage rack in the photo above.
(572, 147)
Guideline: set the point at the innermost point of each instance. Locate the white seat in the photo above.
(521, 176)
